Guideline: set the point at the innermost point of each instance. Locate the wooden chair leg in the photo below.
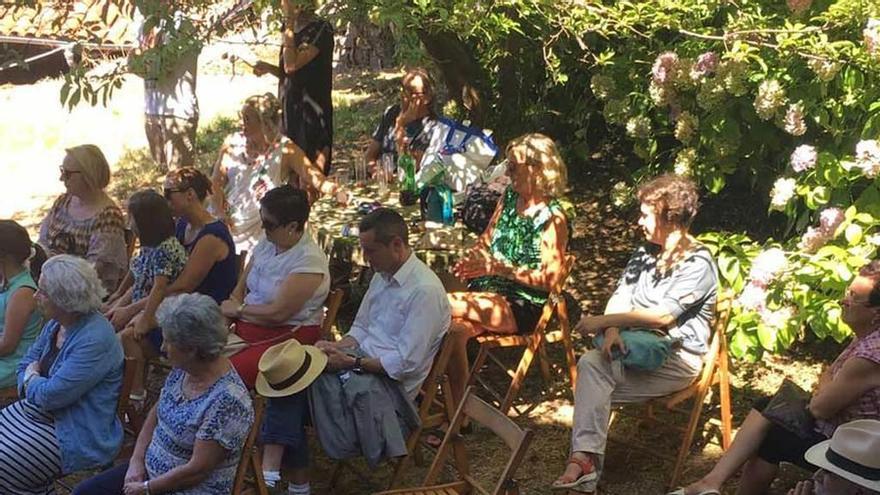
(570, 360)
(521, 370)
(688, 437)
(724, 394)
(544, 362)
(478, 363)
(335, 475)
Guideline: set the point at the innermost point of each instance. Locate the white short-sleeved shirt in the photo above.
(269, 271)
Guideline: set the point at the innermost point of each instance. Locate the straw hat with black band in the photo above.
(288, 368)
(853, 453)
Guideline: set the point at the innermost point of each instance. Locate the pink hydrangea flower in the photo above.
(705, 65)
(804, 158)
(664, 67)
(812, 240)
(830, 219)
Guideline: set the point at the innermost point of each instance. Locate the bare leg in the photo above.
(486, 310)
(746, 443)
(460, 332)
(133, 349)
(272, 454)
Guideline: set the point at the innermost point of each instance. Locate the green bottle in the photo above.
(409, 194)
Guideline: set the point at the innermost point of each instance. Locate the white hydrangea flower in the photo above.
(686, 126)
(777, 319)
(767, 266)
(770, 98)
(783, 190)
(804, 158)
(868, 157)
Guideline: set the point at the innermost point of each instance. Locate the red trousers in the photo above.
(262, 338)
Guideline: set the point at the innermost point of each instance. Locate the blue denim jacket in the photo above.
(81, 390)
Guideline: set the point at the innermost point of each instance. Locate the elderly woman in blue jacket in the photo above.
(69, 385)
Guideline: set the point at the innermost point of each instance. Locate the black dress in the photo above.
(307, 107)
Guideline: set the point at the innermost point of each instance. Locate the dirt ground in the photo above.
(36, 130)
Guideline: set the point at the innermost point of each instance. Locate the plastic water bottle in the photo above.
(409, 194)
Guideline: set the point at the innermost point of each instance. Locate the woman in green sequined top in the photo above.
(519, 258)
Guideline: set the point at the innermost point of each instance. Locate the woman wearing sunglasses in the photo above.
(211, 264)
(280, 296)
(84, 221)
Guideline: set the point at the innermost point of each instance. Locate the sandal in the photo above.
(586, 482)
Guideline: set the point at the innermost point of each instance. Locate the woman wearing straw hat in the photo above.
(192, 439)
(849, 462)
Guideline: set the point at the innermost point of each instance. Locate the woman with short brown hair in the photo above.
(667, 289)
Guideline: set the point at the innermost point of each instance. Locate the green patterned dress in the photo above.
(516, 241)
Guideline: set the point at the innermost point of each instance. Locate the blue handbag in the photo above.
(646, 349)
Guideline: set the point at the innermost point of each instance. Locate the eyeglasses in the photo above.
(66, 173)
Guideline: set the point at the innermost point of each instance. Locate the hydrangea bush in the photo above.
(789, 94)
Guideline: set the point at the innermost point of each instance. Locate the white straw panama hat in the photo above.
(853, 453)
(288, 368)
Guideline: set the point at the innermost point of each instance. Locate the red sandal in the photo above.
(586, 482)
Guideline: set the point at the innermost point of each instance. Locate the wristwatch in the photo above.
(241, 309)
(357, 365)
(147, 487)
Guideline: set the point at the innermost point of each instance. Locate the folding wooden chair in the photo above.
(715, 371)
(434, 411)
(476, 410)
(249, 475)
(331, 305)
(532, 344)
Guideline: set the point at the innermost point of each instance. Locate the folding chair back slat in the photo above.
(332, 303)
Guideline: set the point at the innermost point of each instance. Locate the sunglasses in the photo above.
(66, 173)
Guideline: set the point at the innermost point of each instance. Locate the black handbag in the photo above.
(788, 408)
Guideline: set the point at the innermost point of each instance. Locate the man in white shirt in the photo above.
(404, 314)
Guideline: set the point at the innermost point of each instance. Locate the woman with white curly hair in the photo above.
(69, 385)
(192, 440)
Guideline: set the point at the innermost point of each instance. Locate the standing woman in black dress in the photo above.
(305, 80)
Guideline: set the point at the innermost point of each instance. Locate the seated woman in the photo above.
(407, 125)
(280, 296)
(848, 390)
(84, 221)
(68, 382)
(192, 439)
(669, 285)
(518, 258)
(158, 264)
(254, 160)
(20, 319)
(211, 265)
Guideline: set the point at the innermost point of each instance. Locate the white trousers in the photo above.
(601, 383)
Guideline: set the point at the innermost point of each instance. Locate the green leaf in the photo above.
(853, 234)
(767, 337)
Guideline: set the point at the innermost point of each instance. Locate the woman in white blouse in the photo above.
(280, 296)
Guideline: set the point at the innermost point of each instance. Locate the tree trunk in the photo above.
(464, 77)
(364, 45)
